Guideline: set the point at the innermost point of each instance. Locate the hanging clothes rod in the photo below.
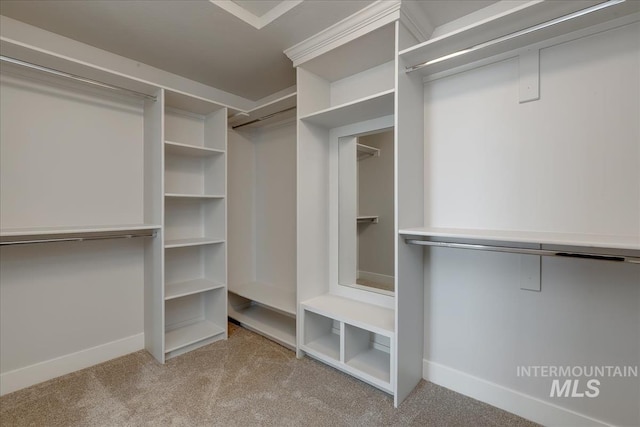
(512, 250)
(79, 239)
(259, 119)
(73, 77)
(520, 33)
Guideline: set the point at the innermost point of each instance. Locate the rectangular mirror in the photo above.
(366, 211)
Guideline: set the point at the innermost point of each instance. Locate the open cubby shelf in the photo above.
(179, 149)
(178, 338)
(277, 326)
(189, 287)
(269, 295)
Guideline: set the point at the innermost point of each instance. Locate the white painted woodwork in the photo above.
(264, 320)
(262, 225)
(521, 16)
(75, 231)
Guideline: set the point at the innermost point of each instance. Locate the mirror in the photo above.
(366, 211)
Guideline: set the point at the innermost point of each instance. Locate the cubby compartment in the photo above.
(194, 221)
(194, 320)
(191, 122)
(193, 174)
(194, 269)
(367, 352)
(321, 335)
(334, 86)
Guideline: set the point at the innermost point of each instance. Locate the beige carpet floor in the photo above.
(244, 381)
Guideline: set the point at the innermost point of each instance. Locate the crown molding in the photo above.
(374, 16)
(416, 20)
(257, 22)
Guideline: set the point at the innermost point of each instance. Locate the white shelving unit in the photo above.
(347, 327)
(195, 301)
(364, 151)
(262, 287)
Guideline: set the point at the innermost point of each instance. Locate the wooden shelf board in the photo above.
(269, 295)
(194, 196)
(371, 317)
(531, 237)
(327, 345)
(190, 334)
(189, 287)
(371, 107)
(190, 150)
(195, 241)
(520, 17)
(373, 362)
(279, 327)
(191, 103)
(281, 109)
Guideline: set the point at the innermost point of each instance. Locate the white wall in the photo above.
(375, 197)
(568, 162)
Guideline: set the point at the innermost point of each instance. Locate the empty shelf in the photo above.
(189, 287)
(279, 327)
(36, 234)
(190, 334)
(371, 317)
(371, 107)
(194, 196)
(372, 362)
(326, 345)
(190, 150)
(365, 151)
(531, 237)
(269, 295)
(196, 241)
(367, 219)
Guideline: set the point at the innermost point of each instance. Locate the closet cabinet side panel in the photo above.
(154, 214)
(409, 190)
(241, 224)
(275, 206)
(60, 148)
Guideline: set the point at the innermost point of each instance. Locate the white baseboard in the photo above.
(29, 375)
(375, 277)
(526, 406)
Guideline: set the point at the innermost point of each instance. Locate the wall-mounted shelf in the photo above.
(275, 111)
(190, 150)
(365, 151)
(277, 326)
(531, 237)
(367, 219)
(194, 196)
(197, 241)
(46, 234)
(367, 108)
(521, 26)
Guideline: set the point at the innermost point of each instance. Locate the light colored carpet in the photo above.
(244, 381)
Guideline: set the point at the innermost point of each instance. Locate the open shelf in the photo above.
(190, 334)
(366, 219)
(321, 336)
(371, 107)
(197, 241)
(189, 287)
(279, 327)
(364, 354)
(193, 196)
(180, 149)
(510, 32)
(531, 237)
(365, 151)
(269, 295)
(372, 362)
(371, 317)
(35, 234)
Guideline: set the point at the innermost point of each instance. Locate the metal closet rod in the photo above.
(79, 239)
(512, 250)
(507, 37)
(259, 119)
(74, 77)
